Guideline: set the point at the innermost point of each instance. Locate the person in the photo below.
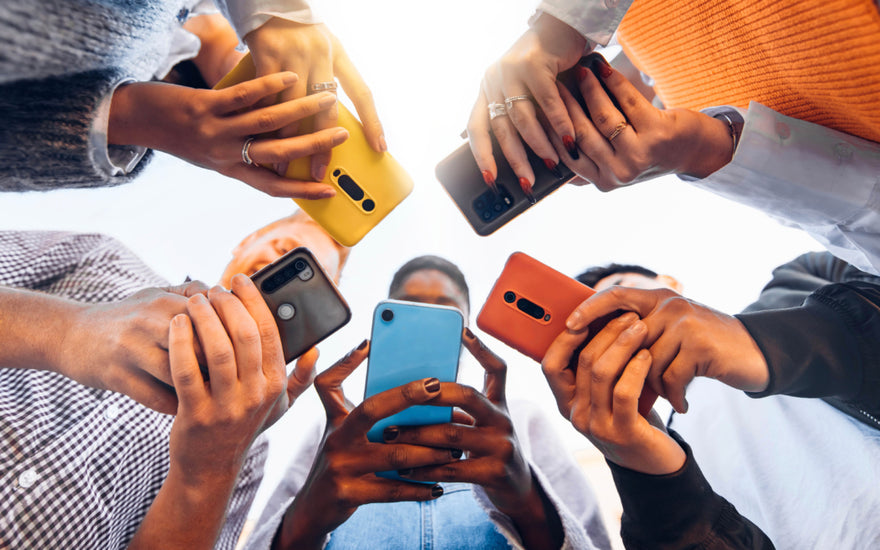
(770, 135)
(507, 482)
(814, 326)
(80, 109)
(84, 319)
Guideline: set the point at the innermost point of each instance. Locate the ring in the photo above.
(245, 155)
(509, 101)
(617, 129)
(322, 86)
(496, 110)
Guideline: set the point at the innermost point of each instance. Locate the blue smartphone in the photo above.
(409, 342)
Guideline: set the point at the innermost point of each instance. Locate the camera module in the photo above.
(387, 315)
(509, 297)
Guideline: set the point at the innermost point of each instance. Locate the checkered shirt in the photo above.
(80, 467)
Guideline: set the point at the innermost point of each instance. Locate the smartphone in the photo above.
(409, 342)
(369, 185)
(306, 304)
(529, 304)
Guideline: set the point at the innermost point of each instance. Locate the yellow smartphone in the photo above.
(369, 185)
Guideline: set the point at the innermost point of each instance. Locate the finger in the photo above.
(542, 85)
(628, 390)
(584, 167)
(646, 402)
(185, 373)
(276, 186)
(635, 106)
(270, 151)
(479, 471)
(461, 417)
(555, 367)
(275, 117)
(642, 302)
(270, 341)
(610, 366)
(219, 353)
(590, 140)
(605, 115)
(675, 381)
(373, 489)
(495, 367)
(328, 118)
(246, 94)
(663, 352)
(512, 147)
(303, 374)
(386, 403)
(243, 333)
(356, 90)
(480, 142)
(523, 116)
(444, 436)
(150, 392)
(328, 384)
(469, 400)
(381, 457)
(189, 288)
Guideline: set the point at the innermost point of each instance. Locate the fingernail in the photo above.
(199, 299)
(436, 491)
(340, 136)
(490, 181)
(432, 385)
(320, 172)
(456, 453)
(363, 344)
(643, 355)
(469, 334)
(574, 321)
(178, 320)
(390, 433)
(526, 187)
(636, 327)
(382, 145)
(604, 68)
(628, 317)
(326, 101)
(686, 406)
(580, 72)
(570, 146)
(405, 472)
(553, 166)
(289, 78)
(326, 194)
(187, 279)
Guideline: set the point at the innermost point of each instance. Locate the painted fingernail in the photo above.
(604, 68)
(456, 453)
(526, 187)
(405, 472)
(553, 166)
(390, 433)
(363, 344)
(490, 181)
(469, 334)
(436, 491)
(686, 406)
(432, 385)
(327, 100)
(580, 72)
(187, 279)
(571, 147)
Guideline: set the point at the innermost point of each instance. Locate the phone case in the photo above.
(369, 185)
(529, 304)
(306, 304)
(417, 341)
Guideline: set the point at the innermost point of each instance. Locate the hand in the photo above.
(530, 67)
(123, 346)
(343, 473)
(316, 55)
(494, 459)
(209, 127)
(605, 398)
(652, 142)
(217, 54)
(686, 340)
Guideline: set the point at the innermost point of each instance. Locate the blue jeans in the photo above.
(451, 522)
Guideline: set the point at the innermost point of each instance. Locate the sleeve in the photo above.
(47, 133)
(596, 20)
(243, 496)
(560, 478)
(680, 510)
(247, 15)
(793, 170)
(826, 347)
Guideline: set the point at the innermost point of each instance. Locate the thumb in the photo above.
(303, 374)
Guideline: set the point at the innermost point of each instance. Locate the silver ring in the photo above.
(509, 101)
(621, 126)
(496, 110)
(245, 151)
(322, 87)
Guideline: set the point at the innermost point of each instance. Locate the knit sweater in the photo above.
(815, 60)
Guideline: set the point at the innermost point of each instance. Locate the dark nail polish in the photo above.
(604, 68)
(363, 344)
(553, 167)
(432, 385)
(580, 72)
(405, 472)
(436, 491)
(390, 433)
(456, 453)
(571, 147)
(526, 187)
(490, 181)
(469, 334)
(187, 279)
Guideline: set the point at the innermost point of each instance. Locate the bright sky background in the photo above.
(424, 61)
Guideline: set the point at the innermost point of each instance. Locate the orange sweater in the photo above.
(815, 60)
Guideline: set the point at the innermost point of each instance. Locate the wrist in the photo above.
(133, 114)
(710, 144)
(536, 519)
(663, 458)
(297, 531)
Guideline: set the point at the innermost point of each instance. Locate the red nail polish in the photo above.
(570, 146)
(490, 181)
(526, 187)
(604, 69)
(580, 72)
(553, 166)
(468, 333)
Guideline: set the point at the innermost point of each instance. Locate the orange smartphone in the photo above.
(529, 304)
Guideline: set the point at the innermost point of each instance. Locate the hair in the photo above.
(595, 274)
(437, 263)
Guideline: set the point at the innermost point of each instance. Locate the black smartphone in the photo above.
(304, 300)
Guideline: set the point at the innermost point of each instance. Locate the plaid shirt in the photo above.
(80, 467)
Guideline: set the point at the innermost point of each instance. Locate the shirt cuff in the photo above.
(247, 15)
(596, 20)
(111, 160)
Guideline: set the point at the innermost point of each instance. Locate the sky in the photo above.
(423, 62)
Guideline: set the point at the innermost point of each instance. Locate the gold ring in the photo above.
(617, 129)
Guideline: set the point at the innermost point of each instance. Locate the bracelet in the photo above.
(734, 135)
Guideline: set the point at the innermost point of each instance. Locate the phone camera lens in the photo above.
(509, 297)
(368, 205)
(547, 317)
(387, 315)
(299, 265)
(336, 173)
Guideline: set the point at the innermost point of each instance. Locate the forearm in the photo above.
(298, 531)
(595, 20)
(186, 514)
(537, 521)
(217, 55)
